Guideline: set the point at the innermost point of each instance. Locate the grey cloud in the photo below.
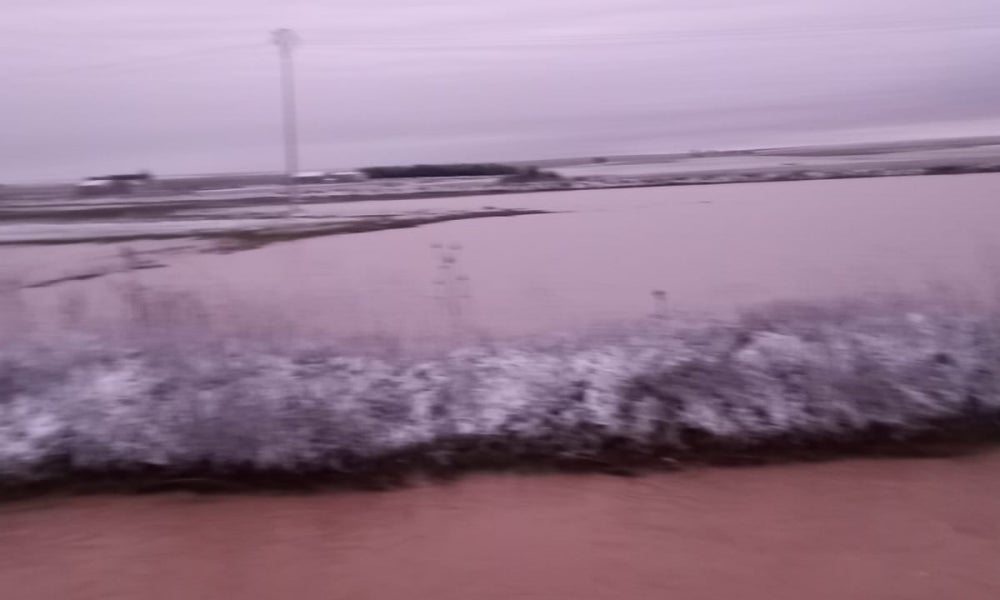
(191, 86)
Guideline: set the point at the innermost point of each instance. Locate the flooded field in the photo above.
(913, 529)
(919, 530)
(479, 300)
(598, 256)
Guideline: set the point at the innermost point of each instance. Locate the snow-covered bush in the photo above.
(781, 380)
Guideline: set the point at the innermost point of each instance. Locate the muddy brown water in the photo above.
(902, 529)
(596, 259)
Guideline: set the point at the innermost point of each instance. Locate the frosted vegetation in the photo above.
(791, 381)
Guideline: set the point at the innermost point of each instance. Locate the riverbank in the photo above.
(786, 383)
(227, 206)
(275, 203)
(239, 234)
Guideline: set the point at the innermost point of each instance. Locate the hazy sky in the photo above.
(191, 86)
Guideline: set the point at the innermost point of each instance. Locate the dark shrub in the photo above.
(531, 175)
(449, 170)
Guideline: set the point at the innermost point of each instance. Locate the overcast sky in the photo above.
(189, 86)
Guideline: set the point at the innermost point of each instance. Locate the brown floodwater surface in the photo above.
(905, 529)
(596, 259)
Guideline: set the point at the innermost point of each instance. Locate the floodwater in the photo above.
(913, 530)
(598, 258)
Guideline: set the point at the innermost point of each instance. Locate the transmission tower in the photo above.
(286, 40)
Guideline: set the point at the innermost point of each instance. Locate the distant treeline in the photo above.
(453, 170)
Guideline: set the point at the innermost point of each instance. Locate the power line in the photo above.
(141, 62)
(652, 38)
(194, 53)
